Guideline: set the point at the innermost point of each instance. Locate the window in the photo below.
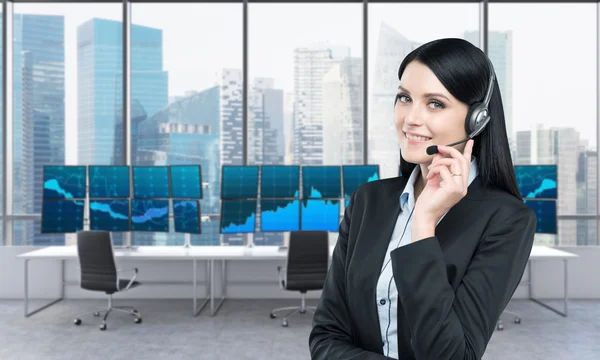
(66, 79)
(186, 69)
(547, 76)
(394, 31)
(305, 91)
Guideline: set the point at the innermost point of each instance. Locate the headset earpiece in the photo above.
(478, 115)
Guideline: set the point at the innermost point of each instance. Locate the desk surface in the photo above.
(222, 252)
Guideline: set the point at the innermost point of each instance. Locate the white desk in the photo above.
(210, 254)
(539, 253)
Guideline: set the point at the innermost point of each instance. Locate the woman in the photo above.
(425, 263)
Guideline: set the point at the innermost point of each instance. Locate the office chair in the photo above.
(517, 319)
(99, 272)
(306, 268)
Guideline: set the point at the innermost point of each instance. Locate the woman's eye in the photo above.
(402, 98)
(436, 105)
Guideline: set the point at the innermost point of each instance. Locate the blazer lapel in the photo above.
(383, 213)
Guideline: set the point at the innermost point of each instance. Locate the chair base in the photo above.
(517, 319)
(302, 309)
(106, 311)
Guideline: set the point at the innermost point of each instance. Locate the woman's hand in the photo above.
(435, 200)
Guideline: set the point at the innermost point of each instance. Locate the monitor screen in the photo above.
(150, 182)
(64, 182)
(186, 181)
(279, 182)
(355, 175)
(239, 182)
(238, 216)
(109, 181)
(279, 215)
(109, 215)
(186, 215)
(62, 216)
(150, 215)
(537, 181)
(320, 215)
(320, 182)
(545, 211)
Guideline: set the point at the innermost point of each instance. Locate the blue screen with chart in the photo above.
(150, 182)
(321, 182)
(64, 182)
(109, 215)
(279, 215)
(109, 181)
(279, 182)
(238, 216)
(355, 175)
(150, 215)
(320, 215)
(186, 215)
(186, 181)
(537, 181)
(545, 211)
(62, 216)
(239, 182)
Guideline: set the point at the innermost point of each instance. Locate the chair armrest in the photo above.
(281, 279)
(135, 270)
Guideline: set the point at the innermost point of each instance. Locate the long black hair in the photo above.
(464, 71)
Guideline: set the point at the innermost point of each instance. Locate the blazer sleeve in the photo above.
(331, 335)
(445, 324)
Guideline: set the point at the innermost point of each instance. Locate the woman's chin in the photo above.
(415, 156)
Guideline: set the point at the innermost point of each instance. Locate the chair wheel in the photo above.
(96, 314)
(135, 311)
(517, 320)
(77, 321)
(272, 316)
(284, 323)
(138, 320)
(103, 327)
(500, 327)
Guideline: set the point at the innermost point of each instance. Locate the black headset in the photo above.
(479, 115)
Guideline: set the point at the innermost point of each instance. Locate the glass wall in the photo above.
(186, 99)
(305, 95)
(67, 63)
(305, 90)
(547, 75)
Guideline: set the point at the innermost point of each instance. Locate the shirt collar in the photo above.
(408, 195)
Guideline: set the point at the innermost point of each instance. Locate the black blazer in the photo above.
(452, 287)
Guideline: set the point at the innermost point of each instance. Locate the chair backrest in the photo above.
(308, 260)
(97, 261)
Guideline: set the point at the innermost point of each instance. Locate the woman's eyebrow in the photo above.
(400, 87)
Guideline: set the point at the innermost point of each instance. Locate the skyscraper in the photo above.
(343, 113)
(311, 63)
(392, 48)
(100, 96)
(38, 116)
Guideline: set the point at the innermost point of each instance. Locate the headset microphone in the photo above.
(477, 117)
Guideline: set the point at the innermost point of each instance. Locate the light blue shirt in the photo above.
(387, 294)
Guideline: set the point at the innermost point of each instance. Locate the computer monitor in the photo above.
(545, 211)
(109, 214)
(186, 181)
(321, 182)
(107, 181)
(537, 181)
(151, 182)
(277, 215)
(320, 215)
(238, 216)
(186, 214)
(239, 182)
(62, 216)
(150, 215)
(64, 182)
(280, 182)
(355, 175)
